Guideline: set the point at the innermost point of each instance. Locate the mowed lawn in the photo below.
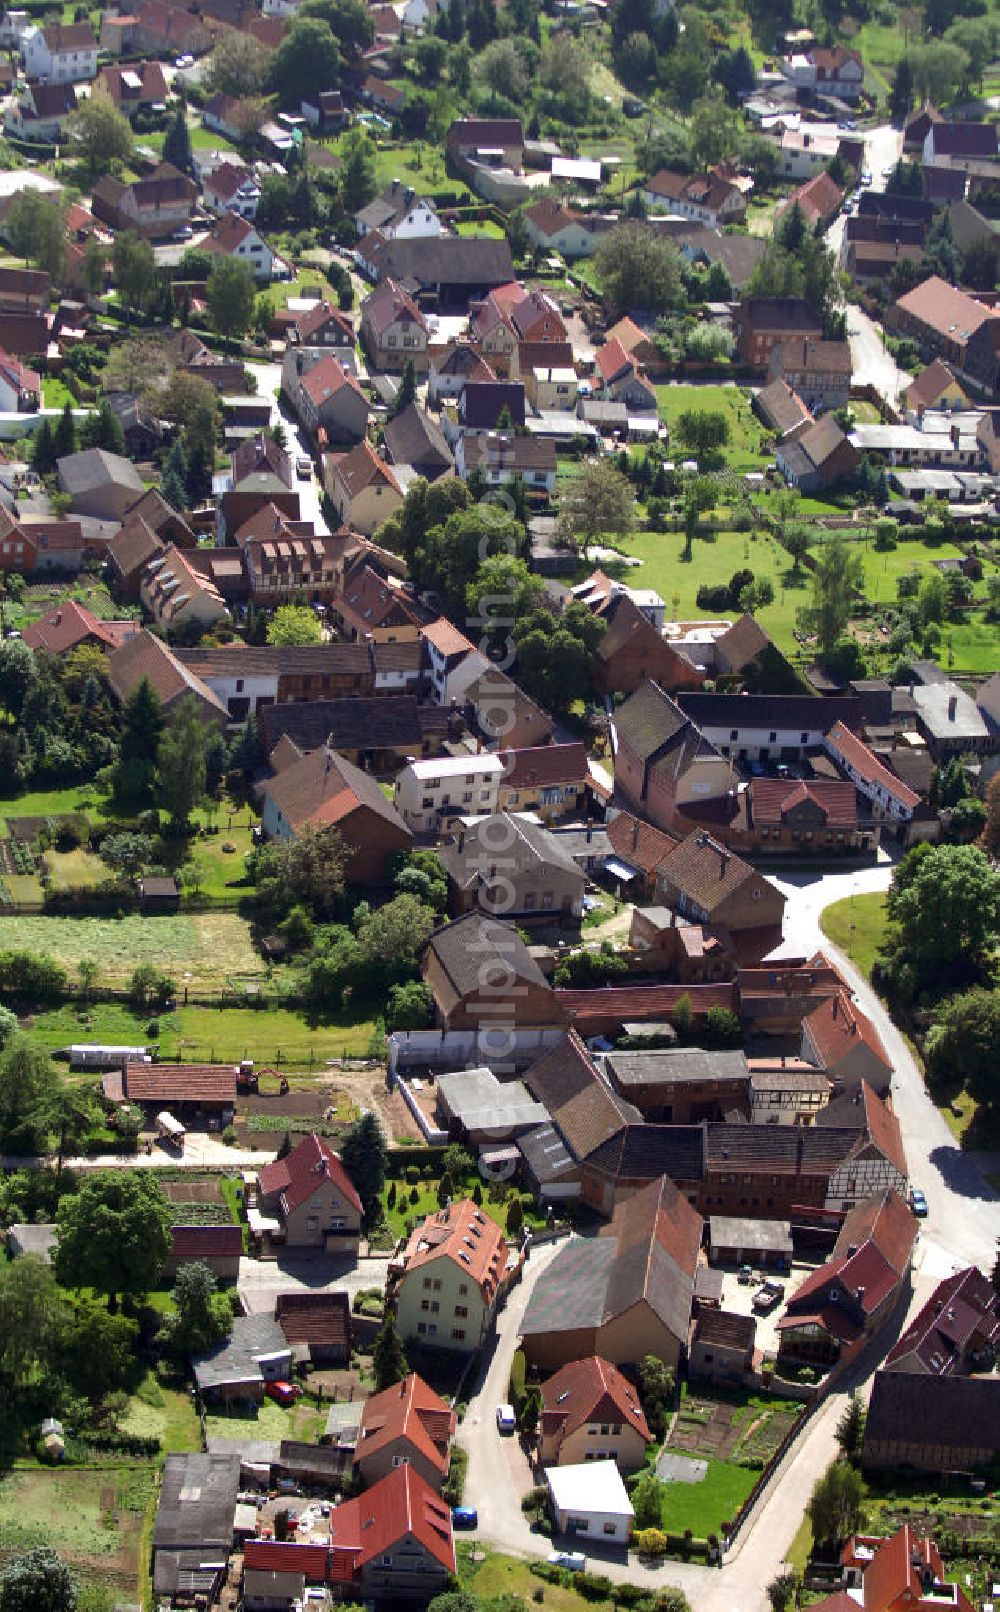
(275, 1037)
(857, 926)
(746, 449)
(704, 1507)
(202, 950)
(714, 559)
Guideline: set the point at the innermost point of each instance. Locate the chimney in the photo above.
(836, 1000)
(723, 864)
(635, 834)
(954, 436)
(952, 707)
(461, 840)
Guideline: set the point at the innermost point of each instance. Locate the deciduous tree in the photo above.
(238, 65)
(599, 501)
(306, 62)
(180, 762)
(294, 624)
(101, 133)
(38, 1581)
(835, 1504)
(134, 270)
(113, 1234)
(37, 232)
(231, 294)
(636, 268)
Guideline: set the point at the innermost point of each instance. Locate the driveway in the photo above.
(310, 492)
(260, 1280)
(199, 1151)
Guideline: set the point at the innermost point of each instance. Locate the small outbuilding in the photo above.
(722, 1346)
(590, 1501)
(159, 894)
(737, 1241)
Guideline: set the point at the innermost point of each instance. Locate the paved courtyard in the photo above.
(261, 1280)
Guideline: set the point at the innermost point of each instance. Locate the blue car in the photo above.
(918, 1203)
(464, 1517)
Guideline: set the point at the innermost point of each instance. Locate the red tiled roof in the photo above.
(772, 798)
(883, 1127)
(836, 1026)
(591, 1390)
(314, 1318)
(62, 629)
(962, 1305)
(856, 754)
(612, 359)
(464, 1234)
(295, 1176)
(638, 841)
(950, 313)
(543, 765)
(409, 1412)
(361, 468)
(818, 198)
(929, 385)
(870, 1257)
(287, 1556)
(446, 638)
(205, 1242)
(642, 1003)
(894, 1573)
(400, 1504)
(181, 1083)
(327, 378)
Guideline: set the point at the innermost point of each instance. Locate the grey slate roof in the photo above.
(954, 1412)
(236, 1360)
(675, 1066)
(197, 1502)
(462, 949)
(645, 1152)
(648, 719)
(803, 711)
(95, 467)
(526, 845)
(447, 260)
(414, 438)
(767, 1236)
(547, 1156)
(574, 1289)
(354, 723)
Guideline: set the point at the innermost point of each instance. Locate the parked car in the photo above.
(303, 467)
(573, 1560)
(284, 1393)
(506, 1420)
(767, 1296)
(918, 1203)
(464, 1517)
